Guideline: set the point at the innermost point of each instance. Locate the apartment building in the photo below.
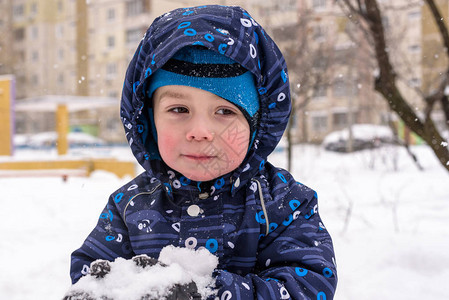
(337, 89)
(114, 29)
(82, 48)
(70, 47)
(434, 57)
(432, 52)
(39, 45)
(6, 66)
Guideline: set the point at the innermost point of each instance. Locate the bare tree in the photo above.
(309, 66)
(368, 16)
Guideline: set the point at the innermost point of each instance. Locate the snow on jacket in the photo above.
(262, 224)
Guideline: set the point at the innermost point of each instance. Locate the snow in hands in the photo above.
(180, 273)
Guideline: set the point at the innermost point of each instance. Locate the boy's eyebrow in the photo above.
(174, 94)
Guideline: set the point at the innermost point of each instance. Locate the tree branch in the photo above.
(385, 84)
(351, 7)
(445, 106)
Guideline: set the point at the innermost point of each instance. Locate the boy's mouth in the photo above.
(199, 157)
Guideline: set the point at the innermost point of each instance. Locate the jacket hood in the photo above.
(230, 31)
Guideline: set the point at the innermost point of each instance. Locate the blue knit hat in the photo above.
(208, 70)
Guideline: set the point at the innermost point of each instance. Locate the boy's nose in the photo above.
(199, 131)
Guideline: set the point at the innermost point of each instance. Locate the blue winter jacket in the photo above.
(262, 224)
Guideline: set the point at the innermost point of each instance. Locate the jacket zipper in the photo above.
(262, 202)
(133, 197)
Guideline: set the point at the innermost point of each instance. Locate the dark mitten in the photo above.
(99, 268)
(77, 295)
(98, 278)
(145, 261)
(184, 292)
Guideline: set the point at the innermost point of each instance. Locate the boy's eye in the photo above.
(225, 111)
(179, 110)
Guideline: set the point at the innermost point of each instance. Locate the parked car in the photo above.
(48, 140)
(364, 136)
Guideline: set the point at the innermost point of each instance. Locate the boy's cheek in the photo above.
(238, 144)
(166, 143)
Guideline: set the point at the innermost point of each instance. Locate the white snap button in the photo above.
(203, 196)
(191, 243)
(237, 182)
(193, 210)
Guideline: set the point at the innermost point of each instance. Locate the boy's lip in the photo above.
(198, 157)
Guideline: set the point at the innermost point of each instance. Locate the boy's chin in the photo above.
(201, 177)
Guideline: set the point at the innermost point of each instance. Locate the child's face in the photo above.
(200, 134)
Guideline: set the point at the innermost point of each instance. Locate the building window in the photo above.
(18, 11)
(59, 31)
(111, 41)
(111, 71)
(319, 91)
(414, 15)
(339, 88)
(414, 48)
(386, 22)
(113, 124)
(319, 4)
(414, 82)
(35, 79)
(35, 56)
(319, 123)
(111, 14)
(61, 54)
(61, 78)
(113, 94)
(20, 55)
(135, 7)
(340, 119)
(19, 34)
(60, 6)
(34, 32)
(133, 36)
(343, 88)
(33, 9)
(321, 62)
(319, 33)
(281, 5)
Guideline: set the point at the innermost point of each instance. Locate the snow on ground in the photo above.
(390, 228)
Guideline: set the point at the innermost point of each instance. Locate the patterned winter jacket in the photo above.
(262, 224)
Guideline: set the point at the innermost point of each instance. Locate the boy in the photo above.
(205, 101)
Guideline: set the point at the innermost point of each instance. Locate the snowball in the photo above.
(126, 280)
(200, 262)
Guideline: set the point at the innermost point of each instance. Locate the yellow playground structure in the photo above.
(63, 165)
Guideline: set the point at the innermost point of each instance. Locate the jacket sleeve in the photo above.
(295, 260)
(108, 240)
